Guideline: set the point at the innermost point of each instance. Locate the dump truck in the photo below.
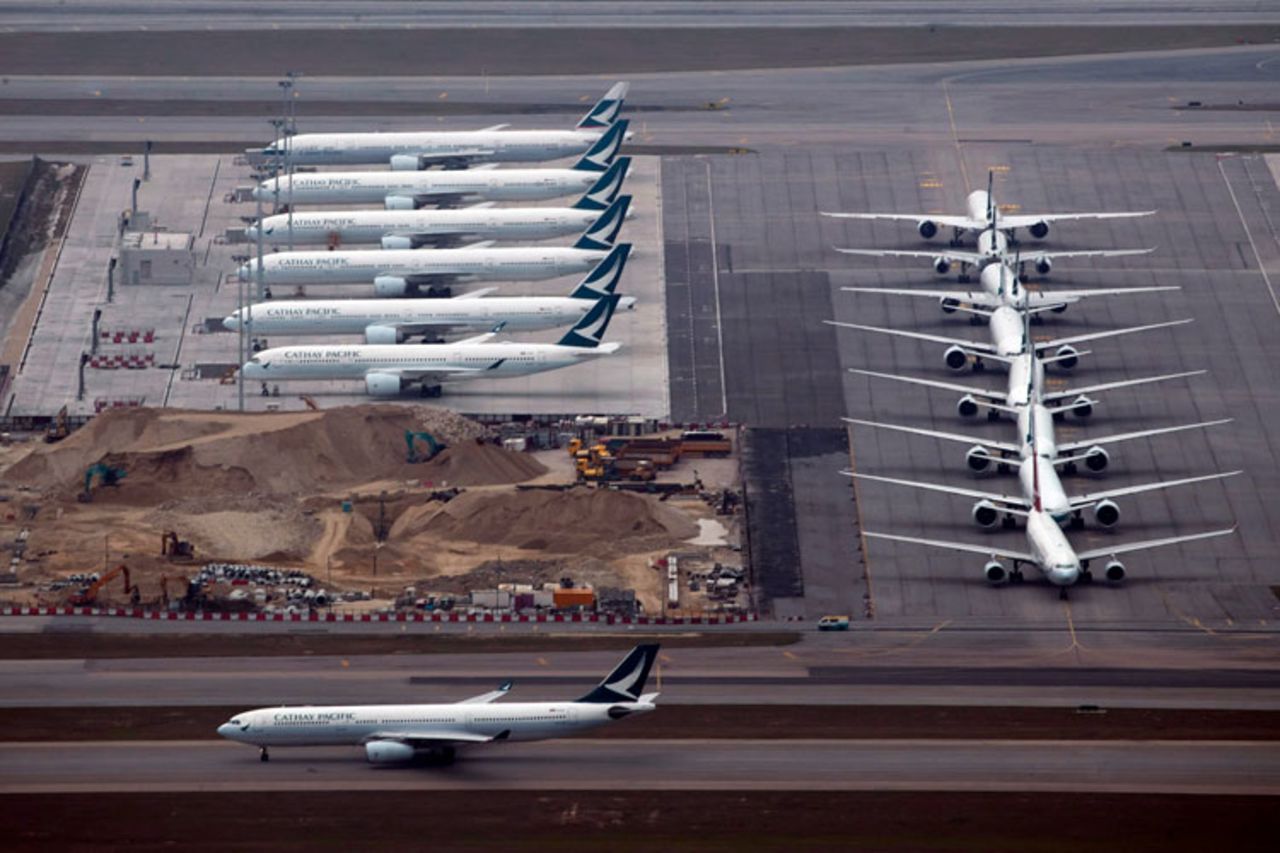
(705, 443)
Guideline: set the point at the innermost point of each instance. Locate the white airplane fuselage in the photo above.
(342, 227)
(499, 146)
(353, 725)
(976, 204)
(407, 190)
(1005, 328)
(1052, 496)
(514, 263)
(446, 362)
(357, 316)
(1053, 552)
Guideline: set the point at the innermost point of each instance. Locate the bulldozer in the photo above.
(107, 475)
(433, 447)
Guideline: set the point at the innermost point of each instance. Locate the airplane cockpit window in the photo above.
(255, 360)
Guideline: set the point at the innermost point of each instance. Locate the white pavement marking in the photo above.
(1261, 267)
(715, 280)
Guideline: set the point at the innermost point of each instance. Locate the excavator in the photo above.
(177, 550)
(59, 429)
(107, 476)
(88, 596)
(412, 455)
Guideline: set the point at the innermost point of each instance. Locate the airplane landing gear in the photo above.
(1062, 594)
(263, 756)
(431, 391)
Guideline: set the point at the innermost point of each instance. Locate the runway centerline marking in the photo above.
(1252, 245)
(955, 136)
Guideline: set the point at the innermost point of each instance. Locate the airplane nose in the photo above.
(1064, 575)
(251, 233)
(232, 322)
(226, 730)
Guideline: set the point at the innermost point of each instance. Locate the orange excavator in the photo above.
(88, 596)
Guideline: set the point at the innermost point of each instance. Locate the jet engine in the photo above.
(995, 573)
(1040, 230)
(382, 385)
(1096, 459)
(405, 163)
(1043, 266)
(1082, 407)
(978, 458)
(1114, 571)
(948, 304)
(1068, 357)
(986, 514)
(927, 228)
(967, 407)
(388, 752)
(941, 266)
(390, 285)
(956, 359)
(399, 202)
(395, 241)
(382, 335)
(1107, 513)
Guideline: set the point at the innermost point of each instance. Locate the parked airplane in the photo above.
(1049, 548)
(981, 213)
(400, 733)
(429, 272)
(441, 229)
(451, 149)
(1007, 340)
(597, 176)
(389, 369)
(1002, 286)
(390, 321)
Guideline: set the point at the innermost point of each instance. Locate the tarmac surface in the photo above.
(749, 765)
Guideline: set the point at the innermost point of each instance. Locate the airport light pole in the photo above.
(291, 128)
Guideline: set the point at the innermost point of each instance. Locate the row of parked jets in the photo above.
(1008, 309)
(435, 235)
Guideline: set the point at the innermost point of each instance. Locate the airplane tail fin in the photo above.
(603, 279)
(606, 110)
(588, 331)
(602, 233)
(604, 150)
(606, 187)
(626, 682)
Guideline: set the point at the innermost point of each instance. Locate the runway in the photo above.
(584, 764)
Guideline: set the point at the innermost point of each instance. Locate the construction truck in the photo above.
(705, 443)
(411, 440)
(106, 475)
(88, 596)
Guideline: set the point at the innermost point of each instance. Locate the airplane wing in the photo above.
(1110, 333)
(476, 294)
(1075, 295)
(1071, 446)
(1148, 543)
(973, 297)
(1035, 255)
(1026, 221)
(962, 222)
(950, 254)
(984, 393)
(436, 739)
(454, 156)
(1007, 446)
(1013, 503)
(486, 698)
(494, 128)
(486, 337)
(1051, 396)
(1080, 501)
(973, 346)
(984, 550)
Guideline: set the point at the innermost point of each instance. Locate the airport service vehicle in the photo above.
(392, 734)
(981, 213)
(387, 370)
(1048, 547)
(833, 623)
(440, 229)
(1008, 340)
(450, 149)
(596, 176)
(1003, 286)
(429, 272)
(390, 321)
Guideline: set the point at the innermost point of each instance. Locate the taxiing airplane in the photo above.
(597, 176)
(450, 149)
(440, 229)
(430, 272)
(391, 321)
(397, 734)
(387, 370)
(981, 213)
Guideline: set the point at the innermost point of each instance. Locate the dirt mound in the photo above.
(167, 453)
(558, 522)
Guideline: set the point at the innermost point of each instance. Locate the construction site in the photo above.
(372, 507)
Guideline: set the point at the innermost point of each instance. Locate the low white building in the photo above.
(157, 257)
